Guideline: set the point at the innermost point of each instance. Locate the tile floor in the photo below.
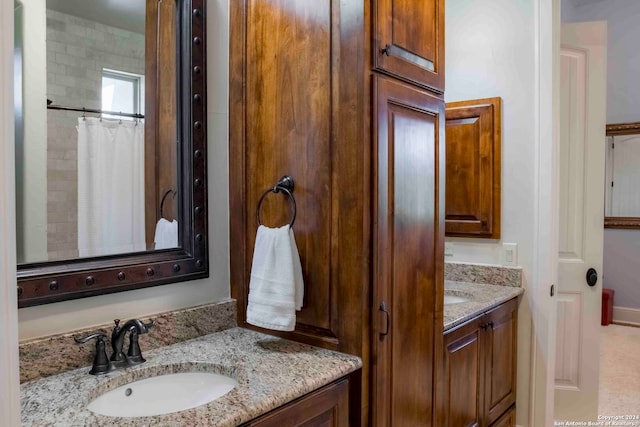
(619, 370)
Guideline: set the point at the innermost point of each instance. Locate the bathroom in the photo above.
(514, 35)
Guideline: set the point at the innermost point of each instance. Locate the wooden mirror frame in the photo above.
(624, 222)
(47, 282)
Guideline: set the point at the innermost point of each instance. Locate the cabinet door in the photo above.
(327, 407)
(408, 252)
(507, 420)
(500, 360)
(463, 371)
(473, 133)
(409, 40)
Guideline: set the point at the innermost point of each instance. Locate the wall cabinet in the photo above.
(473, 133)
(479, 370)
(409, 41)
(408, 245)
(326, 407)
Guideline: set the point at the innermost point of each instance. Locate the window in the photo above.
(122, 92)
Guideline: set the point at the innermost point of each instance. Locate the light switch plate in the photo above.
(510, 254)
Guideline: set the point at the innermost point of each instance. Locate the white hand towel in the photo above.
(166, 234)
(276, 288)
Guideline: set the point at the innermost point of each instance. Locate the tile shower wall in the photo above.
(77, 51)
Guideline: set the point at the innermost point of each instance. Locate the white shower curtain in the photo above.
(110, 187)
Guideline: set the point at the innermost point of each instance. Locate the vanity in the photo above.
(480, 353)
(277, 380)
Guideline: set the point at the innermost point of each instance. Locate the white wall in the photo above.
(68, 315)
(490, 51)
(34, 173)
(620, 270)
(9, 382)
(623, 55)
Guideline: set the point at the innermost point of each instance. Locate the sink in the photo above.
(162, 394)
(455, 299)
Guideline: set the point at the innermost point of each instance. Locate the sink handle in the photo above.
(98, 336)
(100, 360)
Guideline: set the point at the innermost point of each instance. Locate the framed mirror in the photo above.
(110, 146)
(622, 176)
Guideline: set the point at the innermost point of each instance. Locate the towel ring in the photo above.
(163, 199)
(286, 185)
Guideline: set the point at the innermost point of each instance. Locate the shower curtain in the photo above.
(111, 216)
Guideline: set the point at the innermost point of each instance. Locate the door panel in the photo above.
(500, 360)
(463, 372)
(582, 156)
(409, 40)
(408, 251)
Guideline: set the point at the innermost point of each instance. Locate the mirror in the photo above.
(622, 174)
(110, 146)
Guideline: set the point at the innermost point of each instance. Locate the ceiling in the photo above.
(126, 14)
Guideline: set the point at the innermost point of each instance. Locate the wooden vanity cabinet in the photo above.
(479, 370)
(409, 41)
(326, 407)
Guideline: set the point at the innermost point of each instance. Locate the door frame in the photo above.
(547, 125)
(9, 367)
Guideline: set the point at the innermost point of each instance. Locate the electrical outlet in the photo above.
(448, 250)
(510, 254)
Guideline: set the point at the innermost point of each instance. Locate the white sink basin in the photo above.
(162, 394)
(455, 299)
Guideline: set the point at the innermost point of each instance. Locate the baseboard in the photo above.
(626, 316)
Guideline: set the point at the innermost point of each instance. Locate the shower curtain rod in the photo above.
(93, 110)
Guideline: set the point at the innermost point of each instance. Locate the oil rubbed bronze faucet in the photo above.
(101, 363)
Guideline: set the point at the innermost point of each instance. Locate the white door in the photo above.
(582, 160)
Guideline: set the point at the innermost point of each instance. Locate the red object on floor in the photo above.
(607, 306)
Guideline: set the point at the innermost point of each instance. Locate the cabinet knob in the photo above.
(386, 50)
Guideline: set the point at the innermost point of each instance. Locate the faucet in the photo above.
(118, 360)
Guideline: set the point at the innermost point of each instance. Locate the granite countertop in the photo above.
(482, 297)
(270, 372)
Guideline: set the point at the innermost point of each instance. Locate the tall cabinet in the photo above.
(346, 96)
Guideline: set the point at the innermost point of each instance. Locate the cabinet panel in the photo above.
(462, 374)
(408, 250)
(473, 133)
(409, 40)
(506, 420)
(295, 100)
(327, 407)
(501, 358)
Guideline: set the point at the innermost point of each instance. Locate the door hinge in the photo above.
(552, 291)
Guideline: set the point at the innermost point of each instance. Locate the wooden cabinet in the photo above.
(473, 133)
(508, 419)
(326, 407)
(408, 245)
(409, 41)
(302, 101)
(479, 370)
(161, 110)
